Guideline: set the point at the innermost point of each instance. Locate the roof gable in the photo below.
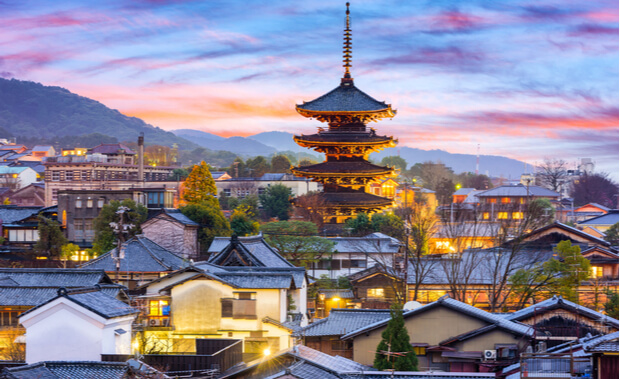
(574, 234)
(246, 251)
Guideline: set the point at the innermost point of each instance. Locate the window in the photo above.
(242, 306)
(85, 175)
(69, 175)
(375, 292)
(227, 192)
(89, 203)
(492, 201)
(429, 296)
(419, 350)
(100, 202)
(78, 203)
(354, 263)
(597, 272)
(159, 308)
(508, 352)
(505, 200)
(55, 176)
(517, 215)
(502, 215)
(78, 229)
(338, 345)
(8, 318)
(485, 216)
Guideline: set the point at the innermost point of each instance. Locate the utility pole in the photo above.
(120, 230)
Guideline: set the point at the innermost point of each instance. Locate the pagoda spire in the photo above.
(347, 50)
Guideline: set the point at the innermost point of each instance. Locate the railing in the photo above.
(225, 354)
(543, 365)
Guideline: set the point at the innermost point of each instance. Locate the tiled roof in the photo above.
(365, 137)
(141, 255)
(427, 375)
(252, 249)
(460, 307)
(11, 213)
(559, 302)
(33, 296)
(257, 280)
(463, 191)
(569, 229)
(341, 293)
(176, 215)
(609, 218)
(80, 369)
(361, 168)
(12, 170)
(111, 148)
(344, 99)
(518, 190)
(605, 347)
(343, 321)
(372, 243)
(337, 363)
(53, 277)
(349, 199)
(94, 300)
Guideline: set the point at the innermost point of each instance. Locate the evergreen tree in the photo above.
(573, 269)
(276, 201)
(611, 305)
(242, 221)
(200, 186)
(394, 351)
(51, 238)
(611, 235)
(280, 163)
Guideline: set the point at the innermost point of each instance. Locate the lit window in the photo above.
(89, 203)
(492, 201)
(505, 200)
(597, 272)
(159, 308)
(100, 203)
(419, 350)
(442, 245)
(485, 215)
(78, 203)
(502, 215)
(517, 215)
(376, 292)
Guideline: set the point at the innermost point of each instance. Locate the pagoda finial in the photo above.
(347, 50)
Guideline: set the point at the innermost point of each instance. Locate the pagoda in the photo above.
(346, 142)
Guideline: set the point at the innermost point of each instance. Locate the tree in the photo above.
(51, 238)
(297, 241)
(387, 223)
(276, 201)
(552, 174)
(611, 305)
(67, 251)
(611, 235)
(105, 238)
(211, 220)
(528, 284)
(308, 208)
(280, 163)
(573, 267)
(179, 174)
(242, 221)
(394, 351)
(595, 188)
(395, 161)
(431, 174)
(199, 186)
(471, 180)
(258, 166)
(359, 225)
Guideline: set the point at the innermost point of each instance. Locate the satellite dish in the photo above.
(411, 305)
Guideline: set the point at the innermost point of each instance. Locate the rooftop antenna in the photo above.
(347, 49)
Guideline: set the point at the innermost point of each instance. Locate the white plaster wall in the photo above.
(27, 177)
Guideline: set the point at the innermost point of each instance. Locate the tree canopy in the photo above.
(211, 220)
(51, 239)
(595, 188)
(395, 161)
(243, 221)
(105, 238)
(387, 223)
(297, 241)
(276, 201)
(200, 186)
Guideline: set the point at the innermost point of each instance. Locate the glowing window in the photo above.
(485, 215)
(517, 215)
(502, 215)
(505, 200)
(159, 308)
(597, 272)
(492, 201)
(442, 245)
(376, 292)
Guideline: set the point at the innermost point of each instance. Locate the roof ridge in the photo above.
(157, 259)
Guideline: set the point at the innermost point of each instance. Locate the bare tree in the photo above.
(552, 173)
(308, 207)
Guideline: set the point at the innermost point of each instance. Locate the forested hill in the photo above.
(30, 109)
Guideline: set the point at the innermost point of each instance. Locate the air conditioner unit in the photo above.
(154, 322)
(490, 355)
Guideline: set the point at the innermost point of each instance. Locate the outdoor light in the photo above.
(267, 352)
(336, 299)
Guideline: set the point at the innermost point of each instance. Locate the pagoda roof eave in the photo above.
(380, 113)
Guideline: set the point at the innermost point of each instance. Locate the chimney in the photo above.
(141, 157)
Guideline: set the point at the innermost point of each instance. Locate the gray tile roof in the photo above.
(606, 219)
(346, 99)
(341, 293)
(33, 296)
(176, 215)
(335, 363)
(141, 255)
(458, 306)
(64, 370)
(427, 375)
(559, 302)
(253, 249)
(53, 277)
(12, 213)
(257, 280)
(343, 321)
(94, 300)
(518, 190)
(372, 243)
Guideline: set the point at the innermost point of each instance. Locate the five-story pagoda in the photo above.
(346, 143)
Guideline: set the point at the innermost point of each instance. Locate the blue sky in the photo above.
(524, 79)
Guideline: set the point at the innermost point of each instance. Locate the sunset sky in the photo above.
(524, 79)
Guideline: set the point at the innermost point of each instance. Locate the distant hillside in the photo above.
(246, 147)
(30, 109)
(280, 141)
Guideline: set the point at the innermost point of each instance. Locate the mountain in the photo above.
(239, 145)
(279, 140)
(30, 109)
